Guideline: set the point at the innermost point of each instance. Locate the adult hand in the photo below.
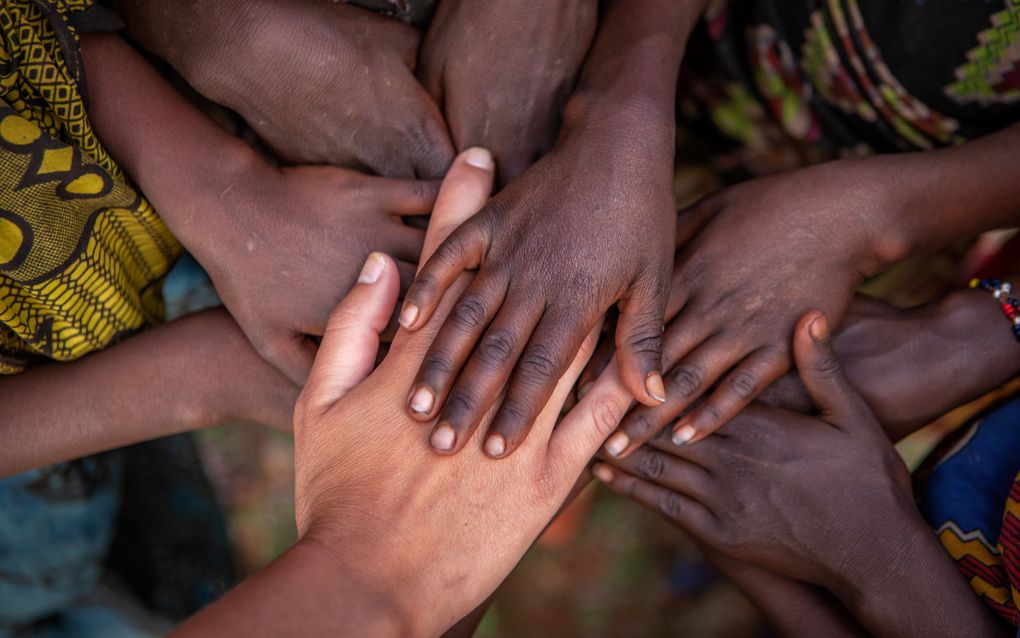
(752, 260)
(436, 534)
(321, 82)
(291, 248)
(501, 72)
(588, 226)
(826, 501)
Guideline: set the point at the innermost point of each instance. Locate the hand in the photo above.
(436, 533)
(588, 226)
(772, 487)
(826, 501)
(321, 83)
(292, 246)
(753, 259)
(502, 72)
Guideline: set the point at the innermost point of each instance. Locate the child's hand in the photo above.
(502, 71)
(588, 226)
(293, 245)
(321, 82)
(791, 493)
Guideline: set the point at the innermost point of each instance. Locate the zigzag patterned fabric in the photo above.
(972, 500)
(82, 254)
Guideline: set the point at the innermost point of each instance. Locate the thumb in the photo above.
(639, 341)
(823, 376)
(351, 341)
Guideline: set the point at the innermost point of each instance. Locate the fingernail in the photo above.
(479, 158)
(655, 387)
(683, 434)
(603, 473)
(819, 328)
(373, 268)
(584, 389)
(422, 400)
(443, 437)
(495, 445)
(408, 315)
(617, 444)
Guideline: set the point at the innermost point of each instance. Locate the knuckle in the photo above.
(646, 340)
(539, 364)
(650, 465)
(827, 364)
(469, 312)
(425, 285)
(671, 505)
(641, 425)
(460, 402)
(606, 415)
(437, 364)
(514, 416)
(712, 415)
(496, 348)
(546, 486)
(744, 384)
(687, 379)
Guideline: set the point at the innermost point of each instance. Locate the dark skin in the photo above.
(321, 82)
(773, 489)
(502, 71)
(542, 284)
(282, 245)
(952, 343)
(805, 239)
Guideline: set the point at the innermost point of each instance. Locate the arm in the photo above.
(285, 64)
(540, 245)
(281, 246)
(195, 372)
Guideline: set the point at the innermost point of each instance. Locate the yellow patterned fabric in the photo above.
(82, 254)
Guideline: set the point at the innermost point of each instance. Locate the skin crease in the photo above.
(254, 228)
(396, 540)
(541, 285)
(321, 82)
(885, 350)
(196, 372)
(729, 320)
(501, 72)
(773, 489)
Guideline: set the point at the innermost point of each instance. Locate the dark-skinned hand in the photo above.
(911, 365)
(293, 245)
(752, 260)
(320, 82)
(501, 72)
(588, 226)
(772, 487)
(823, 500)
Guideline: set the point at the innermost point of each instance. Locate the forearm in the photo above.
(305, 592)
(164, 381)
(630, 75)
(953, 194)
(195, 174)
(906, 585)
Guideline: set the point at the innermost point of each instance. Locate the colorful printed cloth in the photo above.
(804, 82)
(972, 500)
(82, 254)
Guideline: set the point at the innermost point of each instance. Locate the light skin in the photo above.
(282, 246)
(321, 82)
(805, 239)
(501, 72)
(196, 372)
(541, 284)
(797, 496)
(395, 540)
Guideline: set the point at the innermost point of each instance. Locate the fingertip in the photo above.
(603, 473)
(443, 438)
(654, 386)
(479, 157)
(409, 315)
